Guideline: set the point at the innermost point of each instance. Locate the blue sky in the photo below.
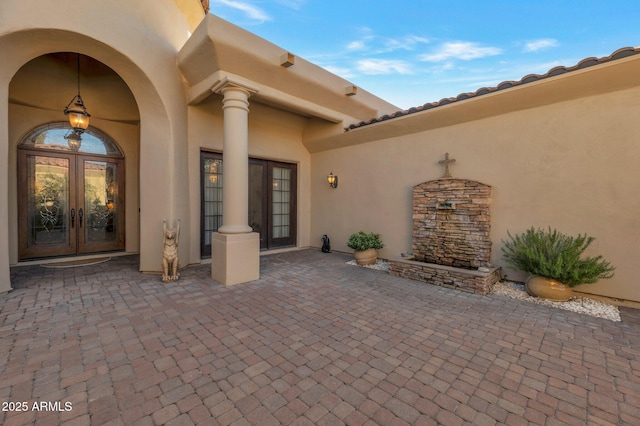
(413, 52)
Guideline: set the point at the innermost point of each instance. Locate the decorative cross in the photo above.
(446, 163)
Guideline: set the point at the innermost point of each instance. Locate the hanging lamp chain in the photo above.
(77, 98)
(78, 74)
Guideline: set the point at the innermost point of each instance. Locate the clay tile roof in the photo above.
(530, 78)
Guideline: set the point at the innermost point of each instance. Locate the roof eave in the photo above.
(611, 76)
(623, 54)
(218, 46)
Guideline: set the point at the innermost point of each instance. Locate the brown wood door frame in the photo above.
(273, 242)
(266, 238)
(205, 250)
(85, 247)
(76, 242)
(25, 251)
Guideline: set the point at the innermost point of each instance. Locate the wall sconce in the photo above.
(333, 180)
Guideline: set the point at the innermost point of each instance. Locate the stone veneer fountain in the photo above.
(451, 244)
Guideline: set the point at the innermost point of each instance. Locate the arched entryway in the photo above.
(37, 81)
(71, 199)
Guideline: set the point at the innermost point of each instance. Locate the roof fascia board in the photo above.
(263, 94)
(608, 77)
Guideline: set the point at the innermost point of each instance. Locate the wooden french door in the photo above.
(272, 201)
(69, 204)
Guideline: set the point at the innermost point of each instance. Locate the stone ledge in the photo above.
(472, 281)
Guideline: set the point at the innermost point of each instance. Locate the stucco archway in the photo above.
(36, 93)
(161, 124)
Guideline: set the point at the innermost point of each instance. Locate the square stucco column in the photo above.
(235, 249)
(235, 257)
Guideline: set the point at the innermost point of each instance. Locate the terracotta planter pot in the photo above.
(547, 288)
(366, 257)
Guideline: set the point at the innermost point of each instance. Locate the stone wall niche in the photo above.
(451, 236)
(451, 223)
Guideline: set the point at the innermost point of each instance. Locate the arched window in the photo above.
(53, 136)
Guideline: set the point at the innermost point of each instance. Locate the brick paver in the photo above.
(314, 341)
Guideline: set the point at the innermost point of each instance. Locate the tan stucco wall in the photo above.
(143, 53)
(273, 135)
(570, 165)
(192, 11)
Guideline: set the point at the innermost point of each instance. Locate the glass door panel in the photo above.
(280, 202)
(100, 215)
(46, 216)
(257, 213)
(283, 204)
(211, 196)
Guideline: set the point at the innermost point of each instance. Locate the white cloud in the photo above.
(361, 43)
(464, 50)
(418, 39)
(407, 43)
(293, 4)
(356, 45)
(383, 66)
(441, 67)
(377, 44)
(250, 10)
(543, 43)
(342, 72)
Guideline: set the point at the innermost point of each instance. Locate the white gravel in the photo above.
(581, 305)
(380, 265)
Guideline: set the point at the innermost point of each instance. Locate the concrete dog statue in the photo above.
(170, 262)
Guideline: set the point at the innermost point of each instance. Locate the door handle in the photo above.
(80, 215)
(73, 217)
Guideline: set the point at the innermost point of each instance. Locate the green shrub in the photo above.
(362, 241)
(555, 255)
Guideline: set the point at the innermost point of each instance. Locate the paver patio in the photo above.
(314, 341)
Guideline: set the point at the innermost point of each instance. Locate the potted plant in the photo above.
(554, 263)
(366, 247)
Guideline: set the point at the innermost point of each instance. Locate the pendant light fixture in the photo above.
(78, 116)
